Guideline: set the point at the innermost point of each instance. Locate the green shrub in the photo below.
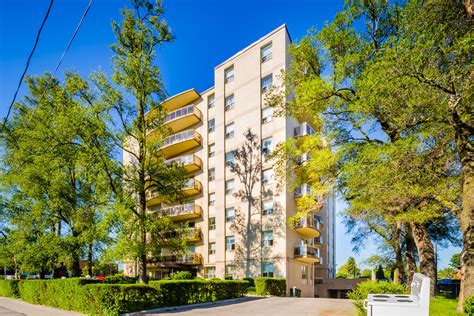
(113, 299)
(9, 288)
(182, 275)
(468, 305)
(270, 286)
(62, 293)
(94, 297)
(199, 291)
(251, 281)
(359, 294)
(120, 279)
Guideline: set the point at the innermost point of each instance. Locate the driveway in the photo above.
(273, 306)
(15, 307)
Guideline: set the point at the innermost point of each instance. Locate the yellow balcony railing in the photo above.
(180, 142)
(183, 211)
(190, 162)
(308, 226)
(305, 253)
(183, 118)
(188, 259)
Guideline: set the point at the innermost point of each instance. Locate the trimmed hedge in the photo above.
(120, 279)
(468, 305)
(359, 294)
(270, 286)
(86, 296)
(184, 292)
(9, 288)
(61, 293)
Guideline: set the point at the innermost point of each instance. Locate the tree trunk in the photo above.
(466, 220)
(248, 241)
(410, 257)
(398, 273)
(89, 260)
(425, 253)
(465, 149)
(142, 261)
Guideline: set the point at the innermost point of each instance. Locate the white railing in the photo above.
(179, 113)
(178, 137)
(182, 209)
(184, 160)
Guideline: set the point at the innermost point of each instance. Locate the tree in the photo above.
(135, 97)
(455, 261)
(333, 79)
(348, 270)
(247, 166)
(55, 190)
(446, 273)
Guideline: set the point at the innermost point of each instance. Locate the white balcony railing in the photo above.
(178, 137)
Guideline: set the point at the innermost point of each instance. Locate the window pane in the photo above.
(229, 74)
(212, 125)
(266, 53)
(267, 83)
(229, 102)
(267, 114)
(211, 101)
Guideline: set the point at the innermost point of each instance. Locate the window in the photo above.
(229, 102)
(304, 272)
(268, 270)
(267, 146)
(212, 248)
(229, 74)
(212, 150)
(267, 83)
(230, 243)
(268, 238)
(230, 214)
(230, 271)
(212, 174)
(211, 101)
(209, 272)
(212, 223)
(229, 157)
(229, 130)
(211, 125)
(212, 199)
(267, 207)
(303, 130)
(267, 115)
(267, 176)
(266, 53)
(229, 186)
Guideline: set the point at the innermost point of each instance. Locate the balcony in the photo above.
(190, 162)
(305, 253)
(183, 211)
(187, 259)
(303, 130)
(317, 242)
(180, 142)
(192, 187)
(302, 190)
(193, 234)
(183, 118)
(308, 226)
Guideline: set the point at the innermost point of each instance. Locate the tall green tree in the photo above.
(348, 270)
(135, 90)
(55, 191)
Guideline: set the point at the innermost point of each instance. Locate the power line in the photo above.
(73, 36)
(27, 64)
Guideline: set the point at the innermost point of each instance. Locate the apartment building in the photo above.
(208, 127)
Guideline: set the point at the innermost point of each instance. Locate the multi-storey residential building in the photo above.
(208, 126)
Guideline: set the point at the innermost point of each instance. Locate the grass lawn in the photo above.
(442, 306)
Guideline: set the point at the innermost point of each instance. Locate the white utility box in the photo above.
(415, 304)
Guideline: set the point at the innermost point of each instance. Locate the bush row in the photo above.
(9, 288)
(86, 296)
(270, 286)
(359, 294)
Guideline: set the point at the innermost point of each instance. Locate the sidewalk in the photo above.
(16, 307)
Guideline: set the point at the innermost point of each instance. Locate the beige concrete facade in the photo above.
(226, 111)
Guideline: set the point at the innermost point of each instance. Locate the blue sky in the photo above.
(207, 32)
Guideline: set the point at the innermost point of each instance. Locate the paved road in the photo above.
(273, 306)
(14, 307)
